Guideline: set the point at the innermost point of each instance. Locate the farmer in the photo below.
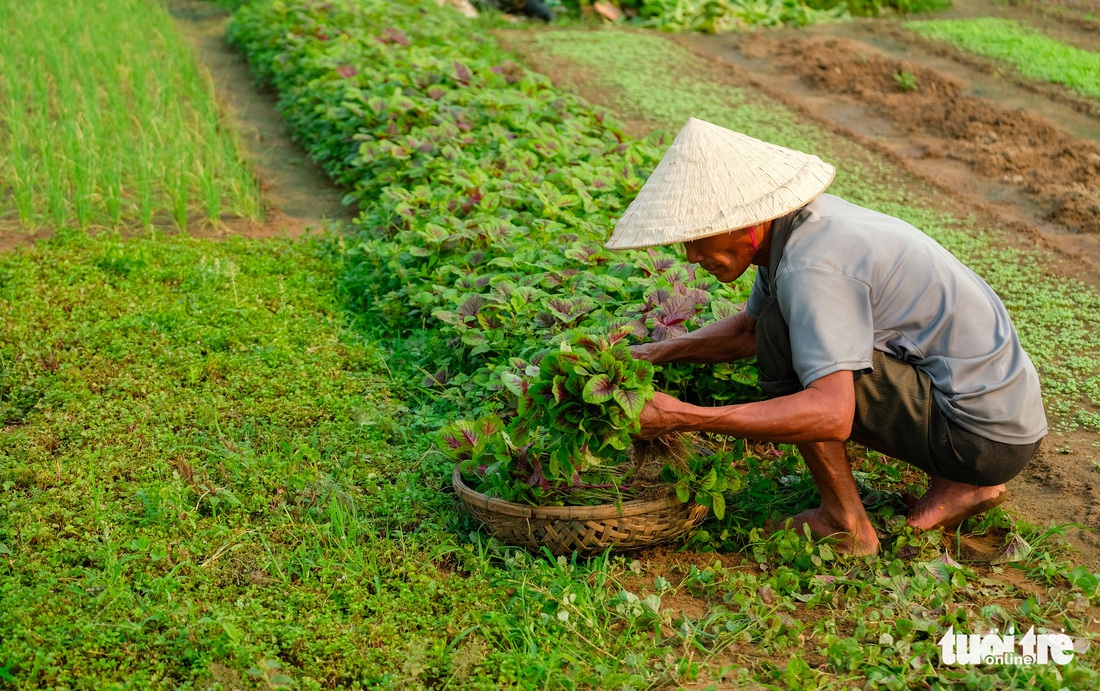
(863, 328)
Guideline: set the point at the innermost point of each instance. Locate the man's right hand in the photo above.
(650, 352)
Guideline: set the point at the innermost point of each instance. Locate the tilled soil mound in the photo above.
(1056, 170)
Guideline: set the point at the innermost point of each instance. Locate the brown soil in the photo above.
(1017, 155)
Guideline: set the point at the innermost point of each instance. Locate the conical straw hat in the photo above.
(711, 181)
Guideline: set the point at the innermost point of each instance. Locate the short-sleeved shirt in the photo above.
(852, 280)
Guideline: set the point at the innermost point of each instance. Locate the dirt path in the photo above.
(297, 191)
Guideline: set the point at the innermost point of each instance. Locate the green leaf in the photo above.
(632, 402)
(718, 505)
(514, 383)
(598, 389)
(643, 371)
(683, 493)
(608, 362)
(722, 309)
(619, 441)
(709, 481)
(558, 389)
(488, 426)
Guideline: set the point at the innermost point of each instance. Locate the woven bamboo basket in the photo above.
(588, 530)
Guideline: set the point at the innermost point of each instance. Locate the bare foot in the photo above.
(947, 504)
(856, 537)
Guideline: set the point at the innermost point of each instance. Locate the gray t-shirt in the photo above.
(852, 280)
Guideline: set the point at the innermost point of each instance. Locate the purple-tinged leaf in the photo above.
(631, 401)
(391, 35)
(1016, 550)
(346, 71)
(570, 310)
(472, 306)
(663, 333)
(462, 73)
(677, 310)
(511, 72)
(538, 478)
(450, 440)
(598, 389)
(468, 433)
(588, 343)
(515, 383)
(489, 425)
(676, 274)
(723, 308)
(440, 378)
(658, 297)
(488, 321)
(663, 264)
(559, 391)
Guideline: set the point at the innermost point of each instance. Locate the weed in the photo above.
(906, 81)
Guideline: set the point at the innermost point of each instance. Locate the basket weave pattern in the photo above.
(586, 529)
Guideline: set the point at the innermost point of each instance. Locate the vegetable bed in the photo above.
(485, 195)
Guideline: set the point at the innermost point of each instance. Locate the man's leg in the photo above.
(966, 472)
(841, 512)
(947, 503)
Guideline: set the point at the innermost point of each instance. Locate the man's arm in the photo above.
(725, 340)
(824, 411)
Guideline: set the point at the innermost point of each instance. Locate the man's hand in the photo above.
(650, 352)
(659, 416)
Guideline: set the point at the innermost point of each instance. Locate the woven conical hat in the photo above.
(711, 181)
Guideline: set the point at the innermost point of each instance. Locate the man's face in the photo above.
(725, 256)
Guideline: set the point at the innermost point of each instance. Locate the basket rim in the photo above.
(600, 511)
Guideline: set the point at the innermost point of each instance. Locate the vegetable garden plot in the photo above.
(485, 194)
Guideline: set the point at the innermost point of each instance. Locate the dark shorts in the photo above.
(896, 414)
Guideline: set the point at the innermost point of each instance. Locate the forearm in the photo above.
(725, 340)
(822, 412)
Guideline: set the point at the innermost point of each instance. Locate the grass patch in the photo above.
(1027, 50)
(1056, 319)
(205, 470)
(106, 119)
